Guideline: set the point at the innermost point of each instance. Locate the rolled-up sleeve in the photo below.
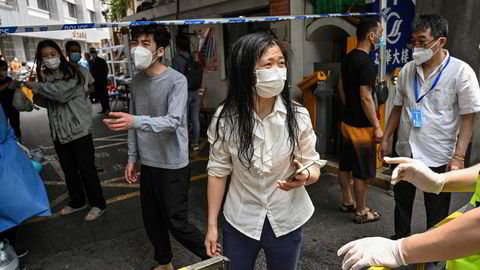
(468, 91)
(220, 161)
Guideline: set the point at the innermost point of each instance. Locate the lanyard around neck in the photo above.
(417, 91)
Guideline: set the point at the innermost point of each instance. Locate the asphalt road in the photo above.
(118, 241)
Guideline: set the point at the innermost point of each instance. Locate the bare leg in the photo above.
(346, 185)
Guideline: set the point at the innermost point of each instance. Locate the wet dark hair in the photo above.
(365, 27)
(160, 34)
(68, 69)
(239, 105)
(72, 43)
(437, 24)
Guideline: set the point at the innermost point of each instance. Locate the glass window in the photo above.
(92, 16)
(43, 4)
(72, 11)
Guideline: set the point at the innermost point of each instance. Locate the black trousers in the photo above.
(102, 94)
(164, 199)
(77, 159)
(436, 206)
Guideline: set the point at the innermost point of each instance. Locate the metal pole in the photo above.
(383, 63)
(127, 53)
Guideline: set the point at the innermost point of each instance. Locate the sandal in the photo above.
(67, 210)
(94, 213)
(348, 208)
(365, 218)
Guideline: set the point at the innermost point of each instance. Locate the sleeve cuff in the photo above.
(219, 172)
(469, 110)
(137, 121)
(132, 159)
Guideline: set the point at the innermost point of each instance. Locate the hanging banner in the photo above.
(399, 21)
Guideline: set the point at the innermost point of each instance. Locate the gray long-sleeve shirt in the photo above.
(159, 136)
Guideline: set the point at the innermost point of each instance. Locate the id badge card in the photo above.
(417, 116)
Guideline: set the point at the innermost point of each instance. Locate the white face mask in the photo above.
(270, 82)
(52, 63)
(142, 57)
(422, 55)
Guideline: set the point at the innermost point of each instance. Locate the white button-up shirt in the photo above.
(457, 92)
(253, 194)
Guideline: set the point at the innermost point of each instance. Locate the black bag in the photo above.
(381, 91)
(194, 73)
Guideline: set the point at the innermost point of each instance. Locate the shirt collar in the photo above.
(279, 105)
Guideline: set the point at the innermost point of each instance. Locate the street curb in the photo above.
(381, 180)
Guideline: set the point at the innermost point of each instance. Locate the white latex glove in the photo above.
(371, 251)
(417, 173)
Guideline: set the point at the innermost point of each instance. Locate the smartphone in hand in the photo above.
(300, 170)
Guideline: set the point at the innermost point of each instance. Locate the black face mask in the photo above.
(381, 92)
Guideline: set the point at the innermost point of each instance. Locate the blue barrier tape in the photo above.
(6, 30)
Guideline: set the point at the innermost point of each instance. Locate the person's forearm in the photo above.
(456, 239)
(393, 121)
(461, 180)
(466, 131)
(369, 109)
(314, 173)
(215, 191)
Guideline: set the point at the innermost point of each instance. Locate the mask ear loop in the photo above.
(153, 61)
(434, 45)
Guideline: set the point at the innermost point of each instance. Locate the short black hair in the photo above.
(437, 24)
(182, 42)
(3, 65)
(161, 36)
(92, 49)
(365, 27)
(72, 43)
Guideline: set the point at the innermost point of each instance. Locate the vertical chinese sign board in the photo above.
(399, 22)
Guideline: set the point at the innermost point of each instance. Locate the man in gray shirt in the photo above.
(158, 139)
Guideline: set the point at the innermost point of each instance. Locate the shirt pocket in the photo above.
(443, 98)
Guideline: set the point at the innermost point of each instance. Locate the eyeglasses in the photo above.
(422, 44)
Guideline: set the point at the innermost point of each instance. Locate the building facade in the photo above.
(44, 12)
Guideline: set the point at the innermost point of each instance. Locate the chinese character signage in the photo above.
(399, 22)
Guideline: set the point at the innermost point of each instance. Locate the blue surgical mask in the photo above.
(94, 55)
(380, 43)
(75, 57)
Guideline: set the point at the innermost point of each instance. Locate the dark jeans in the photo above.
(436, 206)
(194, 114)
(101, 93)
(282, 252)
(164, 199)
(77, 159)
